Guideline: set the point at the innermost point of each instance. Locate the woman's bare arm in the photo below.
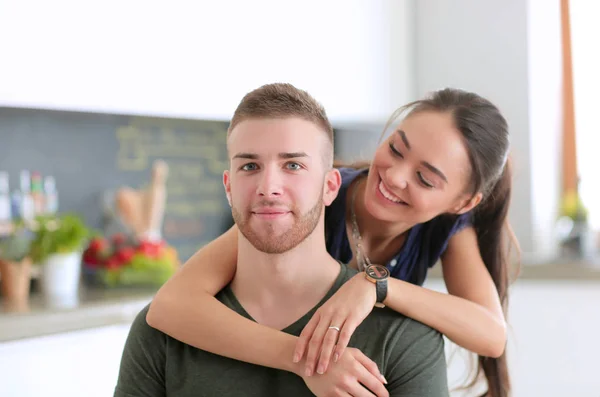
(470, 315)
(185, 308)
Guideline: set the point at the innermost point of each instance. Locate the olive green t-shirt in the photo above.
(409, 354)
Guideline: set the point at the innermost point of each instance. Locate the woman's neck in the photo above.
(381, 239)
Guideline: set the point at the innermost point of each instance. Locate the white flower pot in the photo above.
(60, 277)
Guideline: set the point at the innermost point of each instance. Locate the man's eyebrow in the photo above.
(292, 155)
(249, 156)
(282, 155)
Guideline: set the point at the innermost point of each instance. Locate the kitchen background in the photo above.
(108, 107)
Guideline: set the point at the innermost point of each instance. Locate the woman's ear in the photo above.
(467, 204)
(333, 182)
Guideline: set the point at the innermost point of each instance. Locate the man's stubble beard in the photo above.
(269, 242)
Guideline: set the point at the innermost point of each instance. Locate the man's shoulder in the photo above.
(348, 272)
(140, 318)
(397, 326)
(409, 353)
(141, 329)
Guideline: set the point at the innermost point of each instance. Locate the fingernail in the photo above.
(320, 370)
(336, 356)
(308, 372)
(383, 379)
(296, 358)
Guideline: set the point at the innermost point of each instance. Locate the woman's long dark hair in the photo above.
(485, 133)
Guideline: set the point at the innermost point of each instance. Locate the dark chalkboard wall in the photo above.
(91, 154)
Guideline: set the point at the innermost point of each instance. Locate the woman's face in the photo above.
(421, 171)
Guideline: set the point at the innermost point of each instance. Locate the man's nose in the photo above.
(270, 182)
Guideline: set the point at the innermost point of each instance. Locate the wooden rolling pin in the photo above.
(142, 211)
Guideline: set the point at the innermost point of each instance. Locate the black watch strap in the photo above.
(381, 286)
(378, 275)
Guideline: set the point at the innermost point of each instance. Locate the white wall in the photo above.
(481, 46)
(545, 121)
(585, 31)
(362, 59)
(197, 59)
(509, 52)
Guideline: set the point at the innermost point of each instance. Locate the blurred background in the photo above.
(112, 145)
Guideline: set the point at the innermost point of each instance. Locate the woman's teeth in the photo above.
(389, 195)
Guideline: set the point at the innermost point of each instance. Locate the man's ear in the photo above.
(467, 204)
(227, 184)
(333, 182)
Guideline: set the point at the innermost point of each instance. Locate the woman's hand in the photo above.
(353, 375)
(346, 309)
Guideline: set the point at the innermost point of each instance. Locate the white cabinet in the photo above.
(554, 345)
(197, 59)
(81, 363)
(554, 339)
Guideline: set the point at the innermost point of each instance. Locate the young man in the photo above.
(280, 179)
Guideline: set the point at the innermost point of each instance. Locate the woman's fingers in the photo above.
(358, 390)
(305, 337)
(372, 373)
(344, 337)
(329, 341)
(315, 343)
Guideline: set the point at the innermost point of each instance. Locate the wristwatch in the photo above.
(378, 275)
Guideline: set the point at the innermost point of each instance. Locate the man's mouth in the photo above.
(270, 212)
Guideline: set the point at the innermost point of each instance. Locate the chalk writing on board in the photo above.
(196, 154)
(137, 146)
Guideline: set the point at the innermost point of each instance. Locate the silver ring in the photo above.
(334, 327)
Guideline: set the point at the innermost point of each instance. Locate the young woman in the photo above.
(437, 189)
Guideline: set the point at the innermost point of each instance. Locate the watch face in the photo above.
(377, 272)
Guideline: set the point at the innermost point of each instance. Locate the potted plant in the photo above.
(15, 267)
(574, 234)
(57, 247)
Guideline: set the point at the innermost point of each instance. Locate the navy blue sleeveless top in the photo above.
(422, 248)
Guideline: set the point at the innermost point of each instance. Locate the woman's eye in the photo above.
(249, 167)
(424, 181)
(395, 151)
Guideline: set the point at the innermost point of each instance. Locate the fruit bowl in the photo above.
(125, 261)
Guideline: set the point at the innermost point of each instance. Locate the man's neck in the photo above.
(278, 289)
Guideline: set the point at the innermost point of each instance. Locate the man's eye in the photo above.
(249, 167)
(293, 166)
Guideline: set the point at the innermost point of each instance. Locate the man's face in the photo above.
(277, 183)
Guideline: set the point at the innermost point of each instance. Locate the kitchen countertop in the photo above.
(555, 271)
(95, 308)
(567, 271)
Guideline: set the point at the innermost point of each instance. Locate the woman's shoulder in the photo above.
(438, 231)
(447, 225)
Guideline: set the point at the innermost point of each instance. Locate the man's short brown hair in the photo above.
(283, 100)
